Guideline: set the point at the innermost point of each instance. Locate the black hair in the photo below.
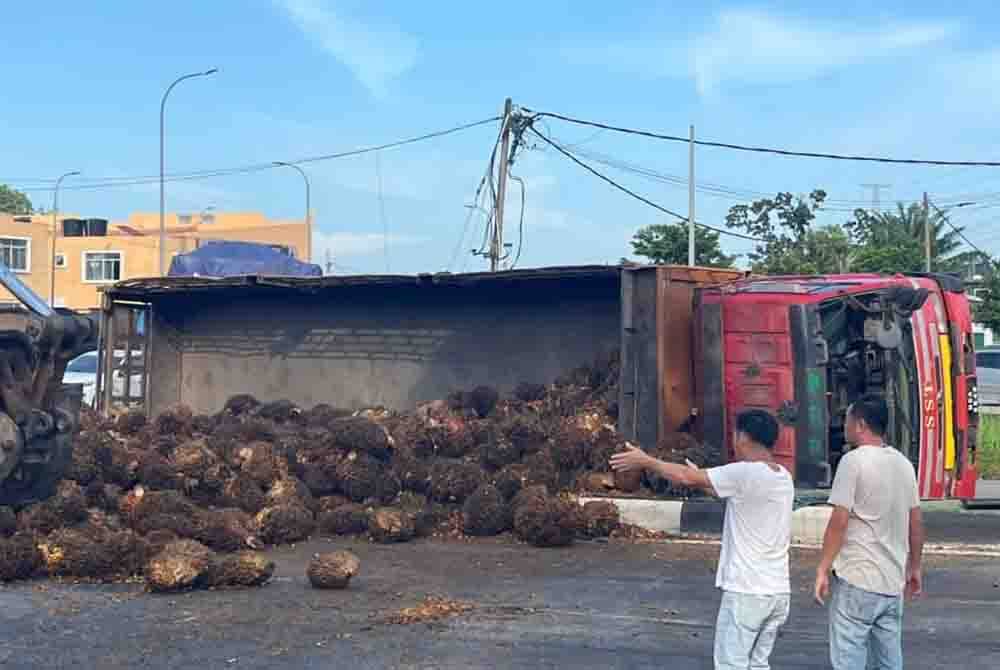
(759, 426)
(873, 410)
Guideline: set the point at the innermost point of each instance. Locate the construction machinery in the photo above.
(39, 414)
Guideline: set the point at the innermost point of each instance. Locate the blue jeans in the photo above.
(866, 629)
(747, 628)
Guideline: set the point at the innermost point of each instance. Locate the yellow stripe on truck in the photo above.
(948, 425)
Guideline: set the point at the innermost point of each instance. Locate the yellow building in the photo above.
(128, 249)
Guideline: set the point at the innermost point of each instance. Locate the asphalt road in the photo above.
(588, 606)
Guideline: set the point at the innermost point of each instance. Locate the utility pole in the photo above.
(927, 232)
(309, 228)
(163, 109)
(55, 235)
(691, 236)
(496, 245)
(876, 192)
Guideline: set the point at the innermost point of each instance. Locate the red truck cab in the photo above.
(806, 347)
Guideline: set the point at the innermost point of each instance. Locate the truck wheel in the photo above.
(38, 482)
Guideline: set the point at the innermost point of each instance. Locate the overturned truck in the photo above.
(696, 346)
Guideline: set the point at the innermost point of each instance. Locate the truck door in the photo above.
(760, 367)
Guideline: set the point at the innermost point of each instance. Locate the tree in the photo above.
(987, 312)
(894, 241)
(824, 250)
(668, 243)
(783, 224)
(13, 201)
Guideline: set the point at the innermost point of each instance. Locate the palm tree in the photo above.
(910, 222)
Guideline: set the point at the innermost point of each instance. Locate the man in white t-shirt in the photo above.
(753, 564)
(873, 543)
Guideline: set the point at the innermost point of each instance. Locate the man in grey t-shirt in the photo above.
(873, 544)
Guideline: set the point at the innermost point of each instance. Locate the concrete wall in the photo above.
(364, 346)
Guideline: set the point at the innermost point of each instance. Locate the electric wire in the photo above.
(647, 201)
(755, 149)
(944, 217)
(520, 226)
(114, 182)
(488, 175)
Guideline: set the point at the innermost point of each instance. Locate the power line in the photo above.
(765, 150)
(635, 195)
(113, 182)
(520, 226)
(708, 188)
(947, 219)
(488, 175)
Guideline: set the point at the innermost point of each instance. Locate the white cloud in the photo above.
(755, 47)
(376, 55)
(353, 245)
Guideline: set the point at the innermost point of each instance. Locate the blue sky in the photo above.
(306, 77)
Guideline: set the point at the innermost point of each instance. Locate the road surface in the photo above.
(589, 606)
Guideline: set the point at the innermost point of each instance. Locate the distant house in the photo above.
(91, 253)
(984, 337)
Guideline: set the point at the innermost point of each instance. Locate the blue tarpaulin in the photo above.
(232, 259)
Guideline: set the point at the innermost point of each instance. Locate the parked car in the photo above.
(988, 357)
(988, 380)
(83, 370)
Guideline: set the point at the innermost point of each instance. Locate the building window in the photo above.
(102, 266)
(15, 253)
(60, 260)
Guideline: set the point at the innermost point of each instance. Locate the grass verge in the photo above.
(988, 458)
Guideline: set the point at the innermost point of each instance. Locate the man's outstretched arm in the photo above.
(637, 459)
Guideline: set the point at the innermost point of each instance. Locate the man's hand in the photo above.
(632, 458)
(914, 583)
(821, 591)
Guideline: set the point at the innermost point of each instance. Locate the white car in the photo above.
(83, 370)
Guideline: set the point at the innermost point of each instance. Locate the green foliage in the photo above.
(668, 243)
(871, 242)
(13, 201)
(783, 223)
(988, 454)
(988, 311)
(894, 241)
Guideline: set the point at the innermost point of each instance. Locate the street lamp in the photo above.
(163, 105)
(55, 233)
(305, 178)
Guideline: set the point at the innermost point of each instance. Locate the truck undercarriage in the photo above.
(869, 340)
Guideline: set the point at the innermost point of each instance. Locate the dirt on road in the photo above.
(596, 605)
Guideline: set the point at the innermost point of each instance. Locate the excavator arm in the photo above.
(39, 415)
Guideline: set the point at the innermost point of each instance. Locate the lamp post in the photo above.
(55, 233)
(305, 178)
(163, 106)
